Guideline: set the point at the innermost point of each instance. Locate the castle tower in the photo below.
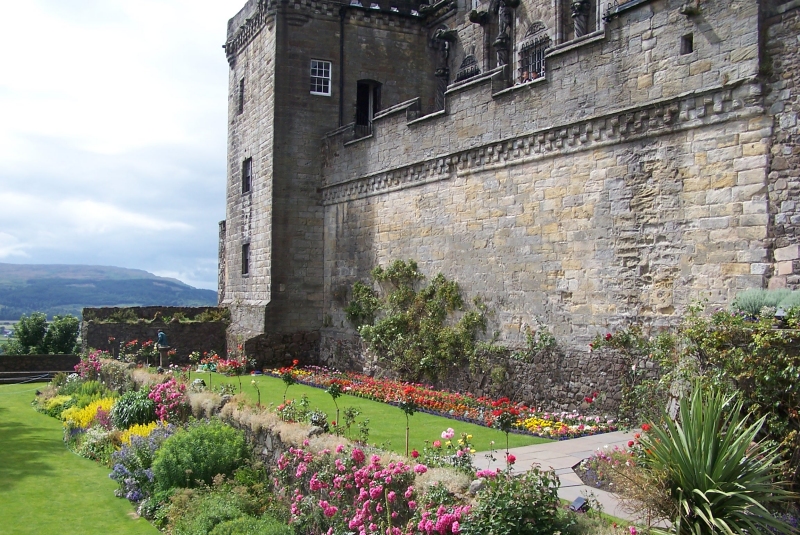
(287, 89)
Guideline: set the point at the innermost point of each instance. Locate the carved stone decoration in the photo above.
(505, 18)
(443, 37)
(469, 68)
(479, 17)
(580, 16)
(690, 8)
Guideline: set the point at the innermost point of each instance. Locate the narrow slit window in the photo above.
(687, 44)
(240, 97)
(245, 259)
(320, 77)
(247, 175)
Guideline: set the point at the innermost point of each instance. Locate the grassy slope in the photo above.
(44, 488)
(387, 423)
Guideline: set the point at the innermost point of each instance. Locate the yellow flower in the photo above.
(469, 437)
(84, 418)
(472, 451)
(139, 430)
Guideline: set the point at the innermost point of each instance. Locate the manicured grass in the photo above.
(47, 490)
(387, 423)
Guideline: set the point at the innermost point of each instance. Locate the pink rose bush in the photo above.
(170, 399)
(347, 491)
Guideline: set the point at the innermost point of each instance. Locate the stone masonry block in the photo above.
(792, 252)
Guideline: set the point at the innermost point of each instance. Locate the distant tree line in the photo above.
(33, 335)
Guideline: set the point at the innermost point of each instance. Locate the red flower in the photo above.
(510, 458)
(646, 427)
(414, 454)
(608, 337)
(295, 362)
(588, 400)
(631, 443)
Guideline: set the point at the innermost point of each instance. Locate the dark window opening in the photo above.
(240, 98)
(247, 175)
(368, 102)
(245, 259)
(687, 44)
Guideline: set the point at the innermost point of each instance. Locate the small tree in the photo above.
(409, 406)
(62, 335)
(29, 333)
(34, 336)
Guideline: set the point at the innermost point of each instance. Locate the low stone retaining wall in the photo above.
(556, 380)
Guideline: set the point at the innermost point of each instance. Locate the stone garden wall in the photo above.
(38, 363)
(184, 337)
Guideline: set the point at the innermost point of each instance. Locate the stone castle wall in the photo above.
(782, 58)
(653, 165)
(627, 183)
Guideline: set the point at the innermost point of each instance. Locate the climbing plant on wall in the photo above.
(421, 330)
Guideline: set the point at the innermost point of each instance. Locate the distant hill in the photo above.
(67, 289)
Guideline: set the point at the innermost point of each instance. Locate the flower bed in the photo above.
(465, 407)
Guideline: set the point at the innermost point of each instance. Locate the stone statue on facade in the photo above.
(580, 16)
(505, 20)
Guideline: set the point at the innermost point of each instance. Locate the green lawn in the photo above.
(44, 488)
(387, 423)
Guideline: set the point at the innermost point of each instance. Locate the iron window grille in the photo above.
(532, 59)
(320, 77)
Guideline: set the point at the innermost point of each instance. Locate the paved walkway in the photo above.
(562, 455)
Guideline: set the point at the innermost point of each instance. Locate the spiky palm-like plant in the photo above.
(720, 482)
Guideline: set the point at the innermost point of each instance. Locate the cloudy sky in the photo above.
(112, 133)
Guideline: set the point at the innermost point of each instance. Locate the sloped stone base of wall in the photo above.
(557, 380)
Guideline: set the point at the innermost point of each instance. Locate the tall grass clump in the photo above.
(718, 478)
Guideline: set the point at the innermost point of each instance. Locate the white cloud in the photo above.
(112, 139)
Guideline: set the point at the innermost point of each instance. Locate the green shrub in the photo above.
(411, 327)
(248, 525)
(55, 406)
(116, 375)
(134, 407)
(719, 481)
(84, 392)
(212, 315)
(752, 301)
(523, 505)
(196, 454)
(201, 511)
(758, 364)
